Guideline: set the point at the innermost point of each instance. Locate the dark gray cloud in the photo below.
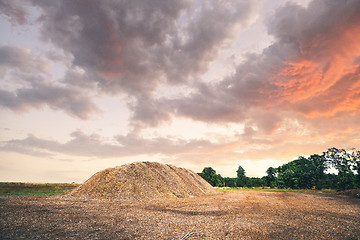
(209, 104)
(14, 10)
(33, 90)
(131, 45)
(197, 44)
(12, 57)
(149, 112)
(71, 101)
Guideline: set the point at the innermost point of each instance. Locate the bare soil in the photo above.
(225, 215)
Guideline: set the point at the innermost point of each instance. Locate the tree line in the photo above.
(302, 173)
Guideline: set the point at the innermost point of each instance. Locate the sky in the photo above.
(87, 85)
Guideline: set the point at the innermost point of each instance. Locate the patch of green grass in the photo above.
(267, 189)
(34, 189)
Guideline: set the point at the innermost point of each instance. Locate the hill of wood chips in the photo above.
(141, 181)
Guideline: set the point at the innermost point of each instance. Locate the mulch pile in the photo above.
(142, 181)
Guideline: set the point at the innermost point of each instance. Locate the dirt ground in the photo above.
(226, 215)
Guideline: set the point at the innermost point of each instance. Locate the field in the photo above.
(34, 189)
(225, 215)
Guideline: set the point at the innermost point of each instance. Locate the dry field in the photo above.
(226, 215)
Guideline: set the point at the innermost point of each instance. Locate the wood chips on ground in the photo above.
(225, 215)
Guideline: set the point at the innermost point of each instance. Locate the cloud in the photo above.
(311, 70)
(300, 94)
(342, 98)
(14, 10)
(148, 112)
(94, 145)
(315, 50)
(39, 95)
(27, 74)
(131, 46)
(31, 86)
(16, 58)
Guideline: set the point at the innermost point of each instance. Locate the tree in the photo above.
(230, 182)
(255, 182)
(344, 162)
(240, 172)
(209, 171)
(355, 161)
(271, 177)
(304, 173)
(241, 177)
(318, 170)
(209, 174)
(287, 176)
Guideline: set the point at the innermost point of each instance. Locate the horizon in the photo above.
(192, 83)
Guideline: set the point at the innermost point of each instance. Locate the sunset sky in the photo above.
(86, 85)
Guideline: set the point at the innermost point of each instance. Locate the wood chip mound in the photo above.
(142, 181)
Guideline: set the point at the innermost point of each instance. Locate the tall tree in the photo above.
(241, 177)
(344, 162)
(209, 174)
(301, 173)
(355, 161)
(271, 177)
(318, 169)
(240, 172)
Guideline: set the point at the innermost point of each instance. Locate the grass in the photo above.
(51, 189)
(221, 189)
(34, 189)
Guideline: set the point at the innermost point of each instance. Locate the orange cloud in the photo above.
(324, 82)
(298, 80)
